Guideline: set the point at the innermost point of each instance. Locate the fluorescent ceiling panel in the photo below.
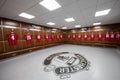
(26, 15)
(64, 27)
(50, 23)
(98, 23)
(69, 19)
(50, 4)
(102, 13)
(77, 26)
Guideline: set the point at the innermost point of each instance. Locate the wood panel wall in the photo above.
(23, 28)
(7, 51)
(95, 30)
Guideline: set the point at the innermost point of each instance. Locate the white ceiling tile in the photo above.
(113, 16)
(65, 2)
(2, 3)
(37, 10)
(107, 5)
(84, 4)
(83, 11)
(104, 1)
(53, 15)
(15, 7)
(22, 19)
(72, 10)
(111, 20)
(117, 5)
(90, 12)
(37, 1)
(88, 15)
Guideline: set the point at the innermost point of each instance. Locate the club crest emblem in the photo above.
(65, 63)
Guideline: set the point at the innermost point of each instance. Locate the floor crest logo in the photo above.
(65, 63)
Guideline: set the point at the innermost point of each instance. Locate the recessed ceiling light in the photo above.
(77, 26)
(103, 12)
(69, 19)
(26, 15)
(50, 23)
(98, 23)
(50, 4)
(64, 27)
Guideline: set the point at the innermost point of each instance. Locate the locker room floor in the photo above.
(105, 64)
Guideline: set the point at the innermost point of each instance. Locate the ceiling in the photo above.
(83, 11)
